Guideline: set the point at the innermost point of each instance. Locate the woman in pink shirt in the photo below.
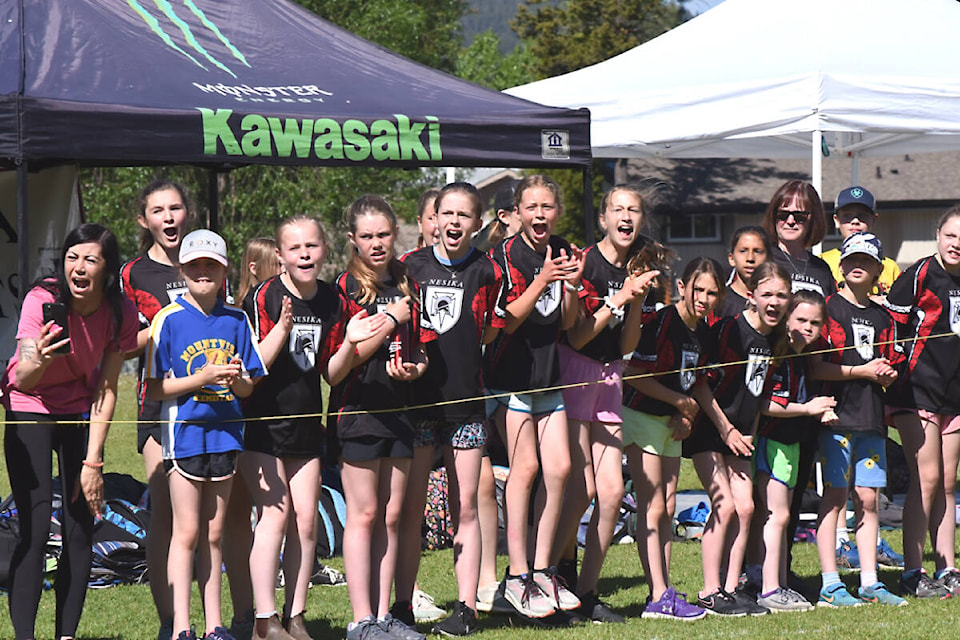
(60, 390)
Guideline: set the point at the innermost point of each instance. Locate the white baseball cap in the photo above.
(203, 243)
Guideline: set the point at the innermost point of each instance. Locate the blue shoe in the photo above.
(887, 557)
(878, 594)
(836, 596)
(848, 558)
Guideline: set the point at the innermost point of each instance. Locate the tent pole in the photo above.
(855, 169)
(588, 204)
(23, 227)
(817, 175)
(213, 189)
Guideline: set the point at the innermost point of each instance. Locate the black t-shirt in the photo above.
(925, 302)
(812, 273)
(368, 387)
(666, 345)
(733, 304)
(293, 386)
(863, 333)
(526, 359)
(458, 301)
(790, 382)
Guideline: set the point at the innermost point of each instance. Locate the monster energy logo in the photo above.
(167, 10)
(398, 138)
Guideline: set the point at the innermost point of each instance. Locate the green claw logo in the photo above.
(170, 14)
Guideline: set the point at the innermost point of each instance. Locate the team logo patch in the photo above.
(757, 366)
(688, 373)
(176, 291)
(550, 299)
(955, 314)
(863, 337)
(303, 345)
(443, 305)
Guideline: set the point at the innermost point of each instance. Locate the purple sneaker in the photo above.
(673, 606)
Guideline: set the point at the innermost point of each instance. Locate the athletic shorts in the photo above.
(365, 448)
(204, 467)
(537, 404)
(947, 423)
(650, 433)
(863, 452)
(145, 433)
(777, 460)
(599, 401)
(289, 438)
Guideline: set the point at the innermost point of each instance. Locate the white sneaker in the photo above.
(555, 588)
(485, 596)
(526, 596)
(424, 609)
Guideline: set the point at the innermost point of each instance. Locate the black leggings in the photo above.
(27, 449)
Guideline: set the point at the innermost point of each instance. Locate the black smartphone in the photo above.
(57, 311)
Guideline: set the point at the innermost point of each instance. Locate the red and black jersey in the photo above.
(733, 304)
(293, 386)
(789, 382)
(746, 354)
(368, 387)
(151, 286)
(666, 345)
(925, 302)
(526, 359)
(860, 334)
(812, 273)
(601, 280)
(457, 302)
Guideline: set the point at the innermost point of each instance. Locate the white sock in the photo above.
(868, 578)
(266, 614)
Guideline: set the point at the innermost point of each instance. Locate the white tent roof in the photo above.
(756, 78)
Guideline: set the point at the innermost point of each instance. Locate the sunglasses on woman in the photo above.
(799, 216)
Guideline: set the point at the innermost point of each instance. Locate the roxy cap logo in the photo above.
(862, 242)
(203, 243)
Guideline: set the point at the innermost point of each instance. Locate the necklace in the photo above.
(793, 265)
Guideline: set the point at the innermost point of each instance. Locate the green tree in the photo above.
(483, 63)
(565, 36)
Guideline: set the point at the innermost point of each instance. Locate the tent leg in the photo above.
(817, 175)
(213, 187)
(23, 227)
(588, 204)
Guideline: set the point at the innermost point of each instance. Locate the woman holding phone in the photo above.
(59, 391)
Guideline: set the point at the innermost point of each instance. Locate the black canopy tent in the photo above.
(226, 83)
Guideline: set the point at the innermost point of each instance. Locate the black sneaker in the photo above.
(721, 603)
(567, 569)
(462, 622)
(402, 610)
(950, 579)
(919, 585)
(327, 576)
(749, 602)
(594, 609)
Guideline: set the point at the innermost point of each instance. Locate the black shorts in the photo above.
(297, 438)
(146, 432)
(704, 438)
(365, 448)
(204, 467)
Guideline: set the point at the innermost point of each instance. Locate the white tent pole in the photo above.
(816, 173)
(855, 169)
(451, 174)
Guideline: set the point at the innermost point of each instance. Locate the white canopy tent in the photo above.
(778, 79)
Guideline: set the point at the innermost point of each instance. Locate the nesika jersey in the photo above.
(733, 304)
(457, 302)
(741, 383)
(666, 345)
(182, 341)
(293, 386)
(526, 360)
(789, 382)
(602, 279)
(925, 302)
(812, 274)
(863, 334)
(368, 387)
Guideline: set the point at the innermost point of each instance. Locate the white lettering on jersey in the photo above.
(550, 299)
(863, 338)
(176, 291)
(443, 306)
(955, 314)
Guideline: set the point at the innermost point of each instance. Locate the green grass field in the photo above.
(127, 612)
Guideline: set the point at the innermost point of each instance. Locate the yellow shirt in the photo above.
(890, 271)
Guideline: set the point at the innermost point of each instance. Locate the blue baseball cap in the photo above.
(856, 195)
(862, 242)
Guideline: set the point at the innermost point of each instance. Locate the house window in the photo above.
(698, 227)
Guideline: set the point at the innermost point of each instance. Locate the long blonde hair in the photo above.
(365, 276)
(263, 253)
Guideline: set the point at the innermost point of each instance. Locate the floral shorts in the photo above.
(864, 453)
(470, 435)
